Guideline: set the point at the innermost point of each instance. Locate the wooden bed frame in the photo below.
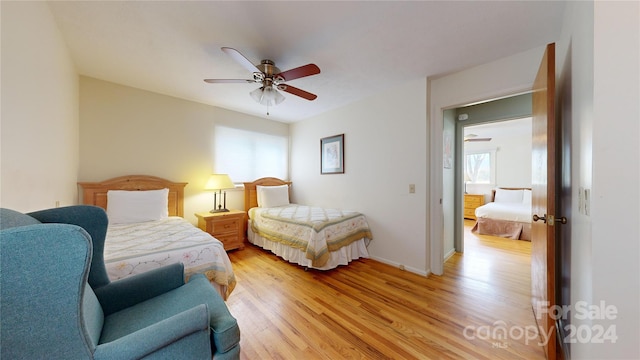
(251, 192)
(95, 193)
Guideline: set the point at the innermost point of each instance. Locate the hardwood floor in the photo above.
(370, 310)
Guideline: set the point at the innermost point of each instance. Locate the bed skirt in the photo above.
(503, 228)
(342, 256)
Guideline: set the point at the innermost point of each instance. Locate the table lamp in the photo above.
(219, 182)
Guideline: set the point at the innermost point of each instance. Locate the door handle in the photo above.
(561, 220)
(537, 218)
(552, 219)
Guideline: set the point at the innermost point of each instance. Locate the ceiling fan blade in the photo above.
(302, 71)
(477, 139)
(240, 59)
(226, 81)
(298, 92)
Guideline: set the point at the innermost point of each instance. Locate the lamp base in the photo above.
(218, 210)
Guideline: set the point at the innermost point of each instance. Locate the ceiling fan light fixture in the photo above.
(267, 96)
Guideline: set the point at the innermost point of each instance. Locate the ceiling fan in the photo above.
(271, 79)
(474, 137)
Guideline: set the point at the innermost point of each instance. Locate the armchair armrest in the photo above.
(134, 289)
(175, 329)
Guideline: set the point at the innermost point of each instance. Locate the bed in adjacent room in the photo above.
(147, 230)
(508, 215)
(312, 237)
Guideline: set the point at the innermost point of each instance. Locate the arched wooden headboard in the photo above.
(95, 193)
(251, 194)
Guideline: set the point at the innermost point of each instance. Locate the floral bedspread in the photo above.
(139, 247)
(314, 230)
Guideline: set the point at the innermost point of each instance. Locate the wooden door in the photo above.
(544, 174)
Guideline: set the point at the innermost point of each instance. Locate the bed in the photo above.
(508, 214)
(312, 237)
(147, 230)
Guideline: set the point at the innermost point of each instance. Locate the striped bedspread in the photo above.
(314, 230)
(139, 247)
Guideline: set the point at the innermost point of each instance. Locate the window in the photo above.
(248, 155)
(480, 167)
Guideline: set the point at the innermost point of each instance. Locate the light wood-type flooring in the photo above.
(479, 309)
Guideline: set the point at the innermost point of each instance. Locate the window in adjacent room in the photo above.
(248, 155)
(480, 167)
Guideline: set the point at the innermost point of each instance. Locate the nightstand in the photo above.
(228, 227)
(471, 202)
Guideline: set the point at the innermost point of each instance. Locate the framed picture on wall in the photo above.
(332, 155)
(447, 151)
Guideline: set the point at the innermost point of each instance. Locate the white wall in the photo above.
(601, 41)
(39, 115)
(385, 151)
(128, 131)
(574, 62)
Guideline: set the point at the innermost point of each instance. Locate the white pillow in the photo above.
(526, 197)
(272, 196)
(508, 196)
(125, 207)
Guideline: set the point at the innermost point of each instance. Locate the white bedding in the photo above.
(139, 247)
(313, 237)
(519, 212)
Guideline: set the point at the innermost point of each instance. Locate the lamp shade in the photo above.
(267, 95)
(219, 182)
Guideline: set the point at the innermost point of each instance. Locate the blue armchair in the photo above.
(57, 300)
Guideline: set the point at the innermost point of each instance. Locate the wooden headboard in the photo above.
(251, 194)
(95, 193)
(493, 192)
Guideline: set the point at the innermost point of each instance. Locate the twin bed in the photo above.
(312, 237)
(508, 214)
(147, 230)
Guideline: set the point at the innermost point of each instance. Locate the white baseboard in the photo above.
(449, 254)
(398, 265)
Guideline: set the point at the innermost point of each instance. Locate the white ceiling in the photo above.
(361, 47)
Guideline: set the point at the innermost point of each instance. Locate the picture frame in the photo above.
(332, 154)
(447, 151)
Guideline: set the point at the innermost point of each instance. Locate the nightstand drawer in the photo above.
(473, 202)
(470, 213)
(228, 227)
(221, 226)
(227, 238)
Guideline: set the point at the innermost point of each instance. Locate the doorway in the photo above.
(495, 155)
(483, 120)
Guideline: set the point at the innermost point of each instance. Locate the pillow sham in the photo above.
(272, 196)
(508, 196)
(526, 197)
(126, 207)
